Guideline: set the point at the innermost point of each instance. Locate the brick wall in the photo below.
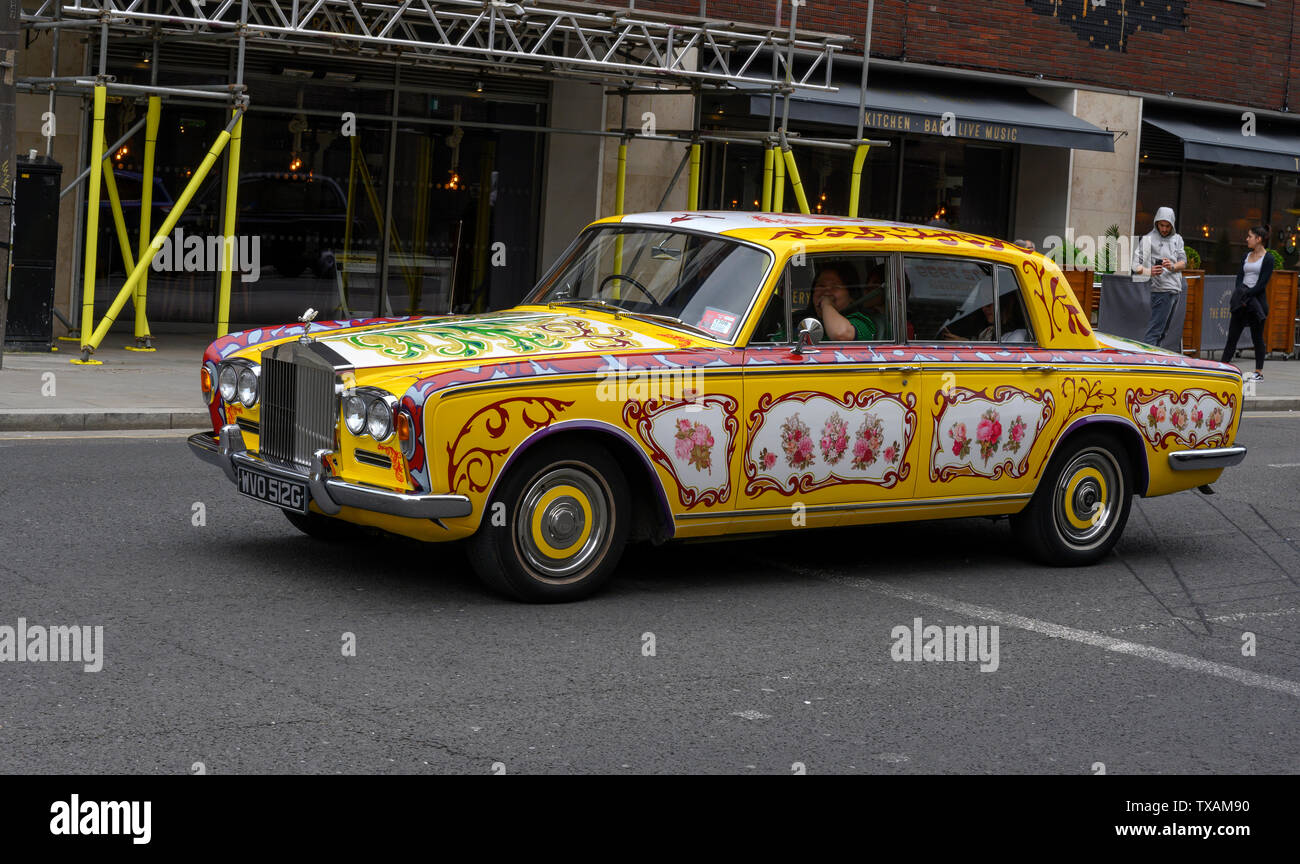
(1228, 52)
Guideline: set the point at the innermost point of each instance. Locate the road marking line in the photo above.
(1085, 637)
(1286, 465)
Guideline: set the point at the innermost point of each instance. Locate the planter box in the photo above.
(1081, 283)
(1194, 282)
(1279, 329)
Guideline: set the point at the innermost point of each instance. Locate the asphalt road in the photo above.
(223, 642)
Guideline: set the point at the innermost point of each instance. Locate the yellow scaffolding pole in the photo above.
(767, 179)
(86, 324)
(778, 181)
(228, 229)
(693, 190)
(143, 337)
(859, 157)
(795, 182)
(115, 206)
(620, 191)
(155, 245)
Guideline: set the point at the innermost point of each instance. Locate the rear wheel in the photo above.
(1080, 509)
(556, 526)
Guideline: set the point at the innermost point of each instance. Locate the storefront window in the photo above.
(1286, 219)
(313, 194)
(966, 185)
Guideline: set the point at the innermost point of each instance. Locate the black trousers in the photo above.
(1242, 318)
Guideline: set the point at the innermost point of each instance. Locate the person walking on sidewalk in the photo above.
(1249, 303)
(1160, 259)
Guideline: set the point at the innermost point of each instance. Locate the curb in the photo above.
(104, 421)
(1270, 403)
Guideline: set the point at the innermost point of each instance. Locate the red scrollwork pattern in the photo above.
(476, 464)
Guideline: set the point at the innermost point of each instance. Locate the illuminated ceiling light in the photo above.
(478, 86)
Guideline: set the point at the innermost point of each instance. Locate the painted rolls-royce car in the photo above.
(681, 375)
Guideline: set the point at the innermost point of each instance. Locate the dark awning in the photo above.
(1220, 138)
(983, 112)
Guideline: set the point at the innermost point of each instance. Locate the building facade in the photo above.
(460, 181)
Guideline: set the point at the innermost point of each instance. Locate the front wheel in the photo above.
(556, 526)
(1080, 509)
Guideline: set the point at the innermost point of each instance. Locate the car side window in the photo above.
(950, 300)
(849, 294)
(1013, 317)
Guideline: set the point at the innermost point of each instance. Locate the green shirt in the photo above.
(864, 329)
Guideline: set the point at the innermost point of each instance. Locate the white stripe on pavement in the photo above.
(1057, 631)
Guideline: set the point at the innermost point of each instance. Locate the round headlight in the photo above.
(379, 420)
(354, 414)
(247, 390)
(228, 382)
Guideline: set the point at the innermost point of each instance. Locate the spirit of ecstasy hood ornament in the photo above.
(306, 318)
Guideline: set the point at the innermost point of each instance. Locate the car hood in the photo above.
(515, 334)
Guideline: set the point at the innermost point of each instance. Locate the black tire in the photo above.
(319, 527)
(555, 494)
(1082, 503)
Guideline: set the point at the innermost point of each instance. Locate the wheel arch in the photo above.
(1128, 436)
(649, 498)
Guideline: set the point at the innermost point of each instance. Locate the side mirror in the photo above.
(810, 333)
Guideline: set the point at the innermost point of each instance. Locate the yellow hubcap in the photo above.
(561, 521)
(1085, 498)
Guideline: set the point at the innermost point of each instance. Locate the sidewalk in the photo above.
(161, 390)
(132, 390)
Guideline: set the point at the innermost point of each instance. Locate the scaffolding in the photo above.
(636, 51)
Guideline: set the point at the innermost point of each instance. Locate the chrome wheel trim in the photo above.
(1096, 501)
(563, 520)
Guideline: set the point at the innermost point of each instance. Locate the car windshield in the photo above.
(704, 282)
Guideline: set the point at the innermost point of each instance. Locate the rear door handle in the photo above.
(1040, 368)
(906, 370)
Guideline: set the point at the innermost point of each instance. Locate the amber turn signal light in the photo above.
(205, 379)
(403, 424)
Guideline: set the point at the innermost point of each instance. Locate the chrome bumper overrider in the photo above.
(330, 494)
(1203, 460)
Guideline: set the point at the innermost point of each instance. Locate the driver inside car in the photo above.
(840, 307)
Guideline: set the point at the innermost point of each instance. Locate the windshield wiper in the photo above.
(582, 301)
(669, 319)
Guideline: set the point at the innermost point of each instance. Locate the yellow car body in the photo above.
(715, 427)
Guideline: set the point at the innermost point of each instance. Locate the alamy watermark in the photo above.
(931, 643)
(55, 644)
(198, 254)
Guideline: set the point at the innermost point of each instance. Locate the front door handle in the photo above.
(1040, 368)
(906, 370)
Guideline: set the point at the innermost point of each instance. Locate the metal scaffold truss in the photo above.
(551, 38)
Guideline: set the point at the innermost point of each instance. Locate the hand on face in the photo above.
(829, 287)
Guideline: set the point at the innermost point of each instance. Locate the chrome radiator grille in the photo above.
(299, 410)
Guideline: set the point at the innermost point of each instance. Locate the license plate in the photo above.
(289, 494)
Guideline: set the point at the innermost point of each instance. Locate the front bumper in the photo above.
(330, 494)
(1204, 460)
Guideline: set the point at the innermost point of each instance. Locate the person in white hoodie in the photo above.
(1159, 258)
